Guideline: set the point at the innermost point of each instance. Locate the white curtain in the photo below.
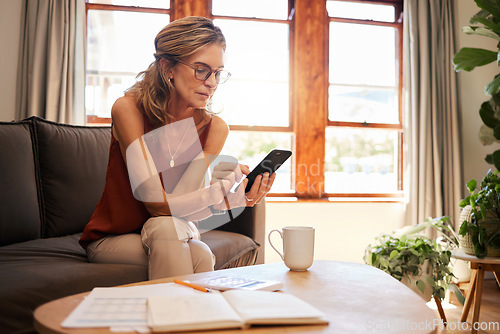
(51, 71)
(434, 169)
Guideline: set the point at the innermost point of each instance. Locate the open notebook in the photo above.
(229, 309)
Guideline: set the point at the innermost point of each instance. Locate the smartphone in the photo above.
(269, 164)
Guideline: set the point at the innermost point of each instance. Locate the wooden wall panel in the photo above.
(183, 8)
(310, 96)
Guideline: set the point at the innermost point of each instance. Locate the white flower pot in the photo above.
(461, 270)
(411, 282)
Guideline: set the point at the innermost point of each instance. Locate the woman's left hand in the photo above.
(261, 186)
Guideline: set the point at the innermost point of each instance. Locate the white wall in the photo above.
(471, 92)
(10, 29)
(343, 230)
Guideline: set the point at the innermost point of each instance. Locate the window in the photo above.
(255, 102)
(118, 50)
(321, 78)
(364, 129)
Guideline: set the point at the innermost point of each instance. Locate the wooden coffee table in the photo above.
(356, 298)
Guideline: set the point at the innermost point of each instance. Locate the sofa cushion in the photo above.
(72, 162)
(37, 271)
(19, 215)
(230, 249)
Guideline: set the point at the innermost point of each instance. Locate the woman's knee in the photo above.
(168, 228)
(159, 227)
(202, 256)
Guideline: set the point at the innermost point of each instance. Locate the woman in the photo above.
(161, 131)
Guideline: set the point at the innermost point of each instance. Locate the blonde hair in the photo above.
(181, 38)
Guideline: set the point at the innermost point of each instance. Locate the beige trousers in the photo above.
(167, 246)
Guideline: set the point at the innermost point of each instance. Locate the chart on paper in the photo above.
(123, 306)
(117, 310)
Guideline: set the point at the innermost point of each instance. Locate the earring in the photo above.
(170, 81)
(166, 78)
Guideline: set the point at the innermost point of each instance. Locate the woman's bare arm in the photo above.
(188, 199)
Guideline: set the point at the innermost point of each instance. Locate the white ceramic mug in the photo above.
(298, 246)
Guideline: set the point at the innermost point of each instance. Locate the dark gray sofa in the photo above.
(51, 177)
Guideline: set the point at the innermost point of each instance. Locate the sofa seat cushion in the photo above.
(231, 249)
(38, 271)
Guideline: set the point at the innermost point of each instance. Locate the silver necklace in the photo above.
(172, 162)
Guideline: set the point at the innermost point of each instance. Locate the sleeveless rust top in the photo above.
(118, 212)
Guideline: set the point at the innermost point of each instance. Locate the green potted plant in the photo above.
(421, 263)
(480, 217)
(485, 23)
(460, 268)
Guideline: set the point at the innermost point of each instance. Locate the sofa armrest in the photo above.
(252, 223)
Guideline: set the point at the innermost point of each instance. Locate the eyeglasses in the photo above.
(203, 72)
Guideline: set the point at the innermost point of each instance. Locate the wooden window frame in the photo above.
(93, 119)
(308, 85)
(398, 25)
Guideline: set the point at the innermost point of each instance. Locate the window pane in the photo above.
(257, 57)
(251, 147)
(360, 11)
(361, 160)
(362, 54)
(143, 3)
(116, 52)
(274, 9)
(363, 104)
(363, 76)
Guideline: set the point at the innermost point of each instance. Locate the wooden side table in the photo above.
(478, 266)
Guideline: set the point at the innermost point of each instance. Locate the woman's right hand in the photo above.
(227, 173)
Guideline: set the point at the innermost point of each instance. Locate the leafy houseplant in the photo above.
(411, 255)
(485, 23)
(483, 225)
(461, 268)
